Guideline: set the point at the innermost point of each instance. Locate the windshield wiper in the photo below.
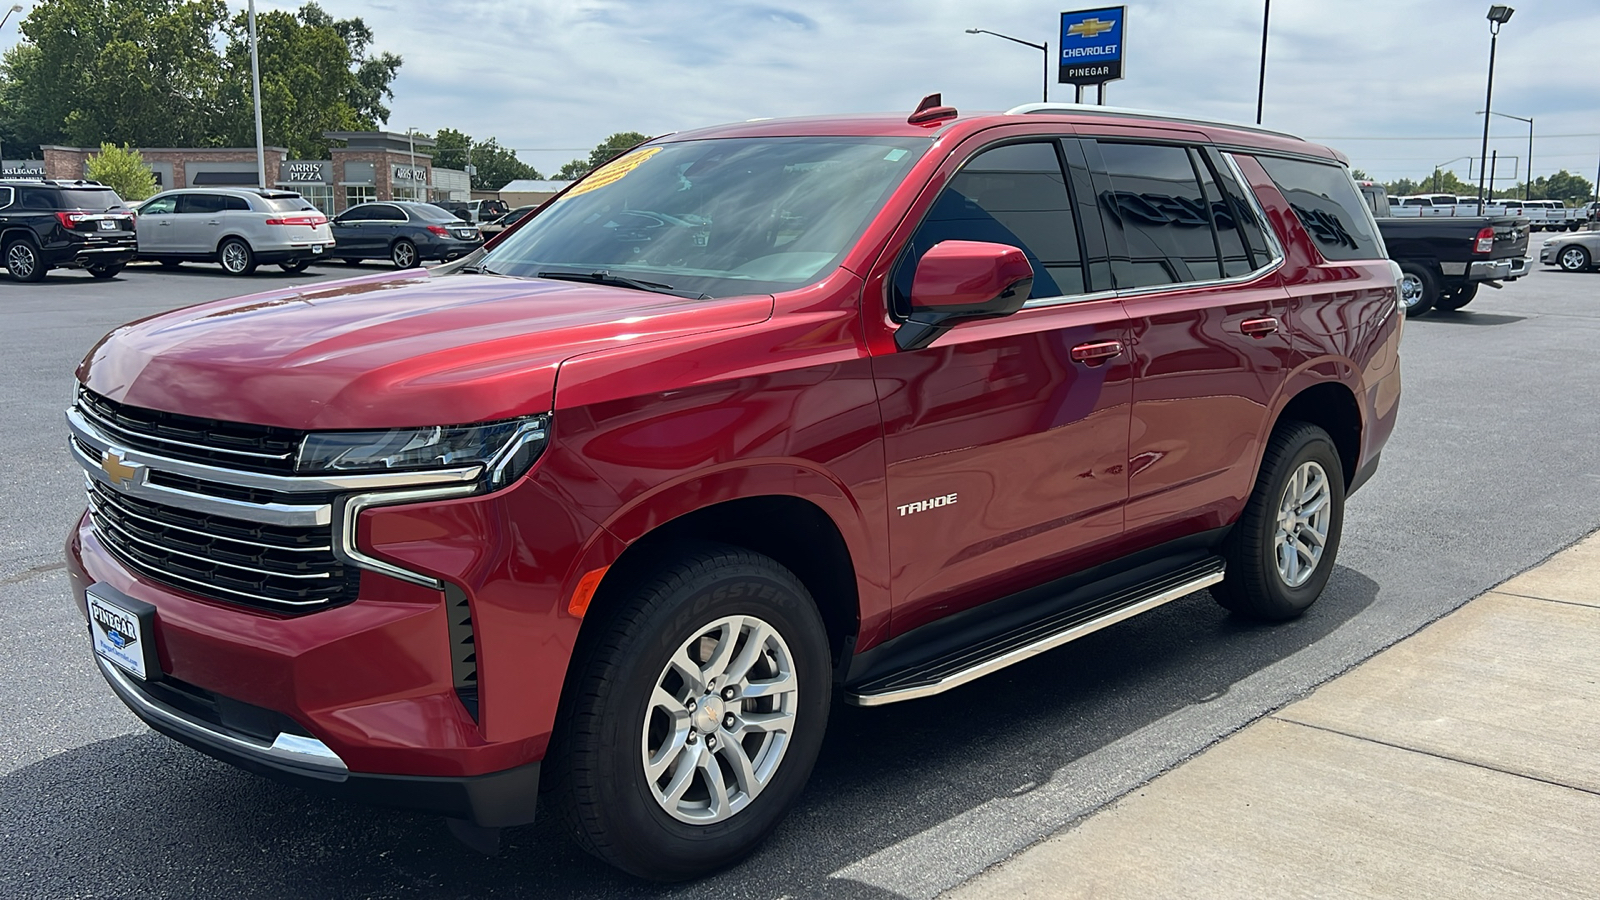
(478, 269)
(604, 276)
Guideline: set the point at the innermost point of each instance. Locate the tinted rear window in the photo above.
(427, 212)
(1325, 200)
(79, 198)
(287, 204)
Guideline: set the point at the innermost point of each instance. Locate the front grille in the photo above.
(235, 445)
(273, 567)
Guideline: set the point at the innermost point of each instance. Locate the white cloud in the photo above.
(567, 73)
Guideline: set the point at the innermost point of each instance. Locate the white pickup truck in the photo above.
(1542, 215)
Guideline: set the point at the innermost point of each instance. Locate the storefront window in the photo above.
(364, 193)
(408, 193)
(319, 195)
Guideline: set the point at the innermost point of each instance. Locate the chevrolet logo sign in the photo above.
(1090, 28)
(122, 473)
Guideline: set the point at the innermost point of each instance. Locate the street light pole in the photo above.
(1498, 15)
(15, 8)
(1045, 47)
(1261, 84)
(255, 92)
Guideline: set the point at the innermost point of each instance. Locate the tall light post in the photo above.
(15, 8)
(255, 92)
(1261, 83)
(1498, 15)
(1045, 47)
(1527, 180)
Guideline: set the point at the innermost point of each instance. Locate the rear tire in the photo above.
(235, 256)
(24, 262)
(104, 272)
(403, 254)
(1419, 289)
(1282, 550)
(294, 265)
(1461, 296)
(1574, 259)
(656, 770)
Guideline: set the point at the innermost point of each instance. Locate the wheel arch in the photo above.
(10, 234)
(217, 250)
(1331, 406)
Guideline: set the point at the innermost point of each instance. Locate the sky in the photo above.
(1393, 83)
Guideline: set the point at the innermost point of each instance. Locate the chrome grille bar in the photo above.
(109, 498)
(100, 518)
(128, 434)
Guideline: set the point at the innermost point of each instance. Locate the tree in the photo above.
(123, 169)
(611, 146)
(316, 76)
(496, 165)
(176, 73)
(1359, 175)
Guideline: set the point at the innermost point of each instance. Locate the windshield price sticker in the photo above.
(613, 171)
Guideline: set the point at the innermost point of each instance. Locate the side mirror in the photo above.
(963, 281)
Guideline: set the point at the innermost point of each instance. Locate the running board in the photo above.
(957, 667)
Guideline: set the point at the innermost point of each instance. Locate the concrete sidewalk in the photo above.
(1463, 762)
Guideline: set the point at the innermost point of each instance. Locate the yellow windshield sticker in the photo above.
(613, 171)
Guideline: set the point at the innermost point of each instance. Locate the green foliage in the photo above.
(610, 147)
(150, 73)
(1359, 175)
(1574, 190)
(496, 165)
(124, 170)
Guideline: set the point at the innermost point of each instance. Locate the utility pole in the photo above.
(255, 91)
(1261, 84)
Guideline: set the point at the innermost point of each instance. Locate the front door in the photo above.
(1006, 441)
(197, 225)
(154, 226)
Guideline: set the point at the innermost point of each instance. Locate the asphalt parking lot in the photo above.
(1494, 466)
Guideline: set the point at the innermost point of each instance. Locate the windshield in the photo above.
(719, 217)
(93, 200)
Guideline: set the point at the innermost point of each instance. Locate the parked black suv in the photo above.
(46, 225)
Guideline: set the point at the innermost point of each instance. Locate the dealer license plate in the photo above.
(316, 248)
(119, 636)
(108, 224)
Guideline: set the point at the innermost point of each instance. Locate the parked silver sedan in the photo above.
(1574, 252)
(238, 228)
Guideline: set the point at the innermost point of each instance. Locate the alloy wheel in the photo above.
(1410, 290)
(1574, 259)
(235, 257)
(720, 720)
(405, 256)
(1304, 516)
(21, 260)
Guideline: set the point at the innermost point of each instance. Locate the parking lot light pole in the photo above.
(1527, 180)
(15, 8)
(1261, 84)
(1045, 47)
(255, 92)
(1498, 15)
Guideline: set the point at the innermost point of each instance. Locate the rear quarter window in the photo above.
(1325, 200)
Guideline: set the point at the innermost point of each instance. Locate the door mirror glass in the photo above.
(963, 281)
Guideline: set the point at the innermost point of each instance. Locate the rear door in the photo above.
(1005, 452)
(1210, 329)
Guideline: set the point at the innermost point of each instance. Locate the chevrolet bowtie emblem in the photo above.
(1090, 28)
(122, 473)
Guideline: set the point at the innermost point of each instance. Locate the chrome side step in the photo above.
(970, 663)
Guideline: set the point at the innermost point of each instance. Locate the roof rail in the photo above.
(1081, 109)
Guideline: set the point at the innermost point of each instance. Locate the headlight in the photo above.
(505, 449)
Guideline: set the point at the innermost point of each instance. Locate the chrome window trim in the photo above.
(1255, 207)
(1067, 299)
(287, 484)
(10, 195)
(347, 550)
(293, 750)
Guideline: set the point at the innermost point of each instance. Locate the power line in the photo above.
(1464, 137)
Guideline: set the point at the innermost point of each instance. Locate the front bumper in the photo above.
(1498, 269)
(494, 800)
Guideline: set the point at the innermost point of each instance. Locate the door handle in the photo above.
(1096, 352)
(1259, 328)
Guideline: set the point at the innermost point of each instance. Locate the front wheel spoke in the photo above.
(782, 684)
(744, 772)
(1310, 536)
(667, 755)
(722, 654)
(754, 645)
(689, 671)
(716, 785)
(1315, 505)
(683, 775)
(1289, 560)
(766, 723)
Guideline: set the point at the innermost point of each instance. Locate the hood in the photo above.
(392, 350)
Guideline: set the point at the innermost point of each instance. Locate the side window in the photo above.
(1325, 200)
(356, 214)
(1015, 194)
(387, 214)
(1251, 228)
(6, 196)
(35, 198)
(237, 204)
(1156, 205)
(159, 207)
(201, 203)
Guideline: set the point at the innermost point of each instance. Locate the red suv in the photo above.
(753, 417)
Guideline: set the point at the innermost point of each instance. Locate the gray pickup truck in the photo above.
(1443, 260)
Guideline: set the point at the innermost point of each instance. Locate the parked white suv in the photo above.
(238, 228)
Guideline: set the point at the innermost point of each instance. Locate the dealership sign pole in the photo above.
(1091, 49)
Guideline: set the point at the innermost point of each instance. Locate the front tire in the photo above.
(403, 254)
(24, 262)
(1282, 550)
(1573, 259)
(236, 257)
(697, 716)
(1419, 289)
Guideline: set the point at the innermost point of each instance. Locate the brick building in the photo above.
(372, 165)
